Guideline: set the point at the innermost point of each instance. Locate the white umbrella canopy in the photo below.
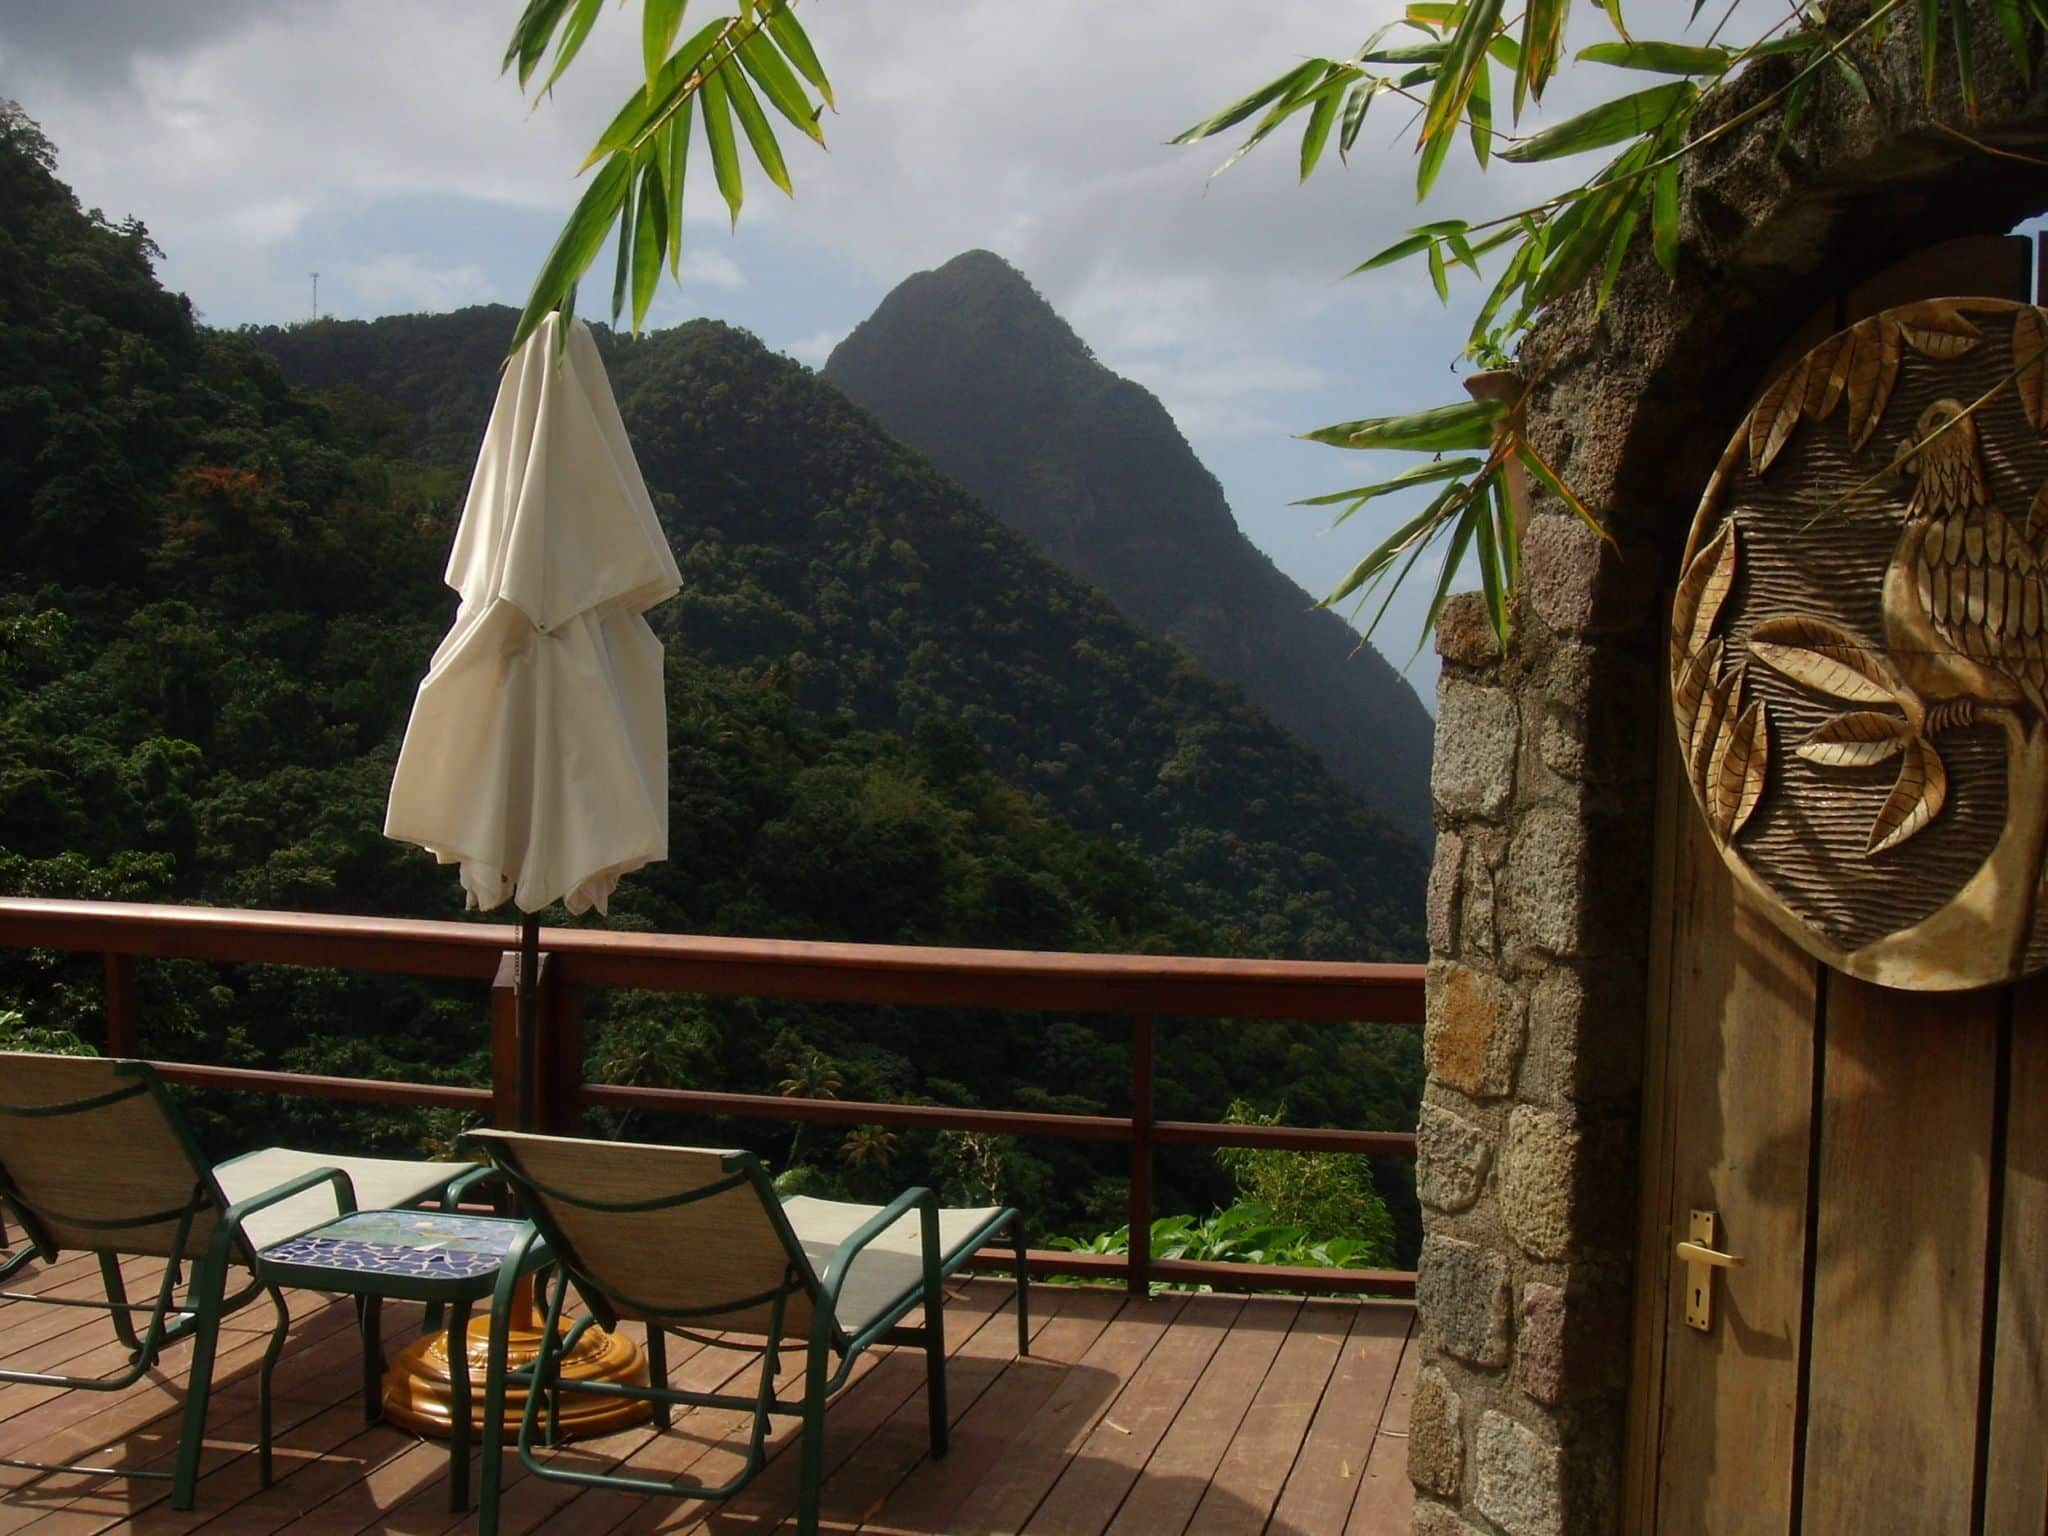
(537, 753)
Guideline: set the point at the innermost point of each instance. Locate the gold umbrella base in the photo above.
(416, 1389)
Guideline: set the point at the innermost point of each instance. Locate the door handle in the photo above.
(1701, 1258)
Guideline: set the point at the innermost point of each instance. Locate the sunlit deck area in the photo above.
(1181, 1413)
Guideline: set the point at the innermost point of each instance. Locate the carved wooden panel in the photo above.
(1859, 646)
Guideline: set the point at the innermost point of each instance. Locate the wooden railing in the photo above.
(1142, 988)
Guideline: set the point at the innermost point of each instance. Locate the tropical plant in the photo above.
(868, 1146)
(1454, 62)
(1245, 1233)
(1330, 1194)
(17, 1034)
(643, 154)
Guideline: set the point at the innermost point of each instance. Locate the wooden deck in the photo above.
(1208, 1415)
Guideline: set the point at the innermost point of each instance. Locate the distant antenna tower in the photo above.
(316, 295)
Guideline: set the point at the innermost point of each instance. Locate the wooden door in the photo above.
(1878, 1364)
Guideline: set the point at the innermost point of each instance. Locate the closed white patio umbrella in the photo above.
(536, 758)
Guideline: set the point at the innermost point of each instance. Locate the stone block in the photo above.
(1462, 1291)
(1464, 633)
(1571, 1343)
(1475, 1029)
(1438, 1520)
(1539, 1174)
(1478, 926)
(1578, 582)
(1546, 896)
(1436, 1436)
(1443, 898)
(1476, 743)
(1452, 1155)
(1540, 1343)
(1519, 1478)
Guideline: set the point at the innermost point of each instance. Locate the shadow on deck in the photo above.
(1202, 1414)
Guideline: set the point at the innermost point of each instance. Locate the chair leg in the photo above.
(811, 1461)
(458, 1407)
(270, 1354)
(372, 1318)
(657, 1374)
(1023, 1287)
(117, 1298)
(494, 1422)
(209, 1286)
(935, 1366)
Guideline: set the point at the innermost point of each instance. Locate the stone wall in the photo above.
(1545, 762)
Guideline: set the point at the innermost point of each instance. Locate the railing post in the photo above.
(124, 1032)
(505, 1063)
(1139, 1278)
(558, 1065)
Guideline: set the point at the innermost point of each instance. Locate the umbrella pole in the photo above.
(523, 1029)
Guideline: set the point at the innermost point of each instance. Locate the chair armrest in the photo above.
(451, 1197)
(298, 1184)
(914, 1199)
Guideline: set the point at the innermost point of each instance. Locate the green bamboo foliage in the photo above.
(1442, 60)
(728, 80)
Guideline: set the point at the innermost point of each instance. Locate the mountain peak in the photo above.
(969, 364)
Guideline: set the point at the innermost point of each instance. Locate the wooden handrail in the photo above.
(1145, 988)
(1002, 979)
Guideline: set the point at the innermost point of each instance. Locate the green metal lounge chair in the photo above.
(95, 1158)
(680, 1238)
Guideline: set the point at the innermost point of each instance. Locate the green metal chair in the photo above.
(680, 1238)
(95, 1158)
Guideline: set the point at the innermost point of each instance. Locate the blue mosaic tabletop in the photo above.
(422, 1245)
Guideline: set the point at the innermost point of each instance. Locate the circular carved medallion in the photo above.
(1859, 646)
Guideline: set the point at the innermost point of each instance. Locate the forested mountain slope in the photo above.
(971, 367)
(816, 549)
(220, 592)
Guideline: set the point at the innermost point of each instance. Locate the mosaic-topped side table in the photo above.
(427, 1256)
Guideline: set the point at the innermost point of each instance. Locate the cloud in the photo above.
(815, 348)
(712, 269)
(400, 282)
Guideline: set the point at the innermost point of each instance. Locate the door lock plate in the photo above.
(1702, 1257)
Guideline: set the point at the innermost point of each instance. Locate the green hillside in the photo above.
(221, 593)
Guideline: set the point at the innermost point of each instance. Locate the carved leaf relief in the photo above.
(1701, 592)
(1937, 328)
(1866, 365)
(1830, 661)
(1914, 801)
(1859, 740)
(2030, 364)
(1776, 414)
(1742, 762)
(1699, 671)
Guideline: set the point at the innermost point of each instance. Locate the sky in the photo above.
(377, 144)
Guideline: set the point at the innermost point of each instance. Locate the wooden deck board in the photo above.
(1206, 1414)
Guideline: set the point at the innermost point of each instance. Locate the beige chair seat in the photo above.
(889, 1267)
(380, 1182)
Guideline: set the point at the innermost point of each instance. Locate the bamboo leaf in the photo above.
(1552, 481)
(754, 122)
(1930, 43)
(640, 116)
(1412, 537)
(725, 155)
(779, 84)
(1664, 217)
(1479, 112)
(676, 164)
(789, 35)
(1444, 428)
(1317, 134)
(1617, 249)
(1625, 117)
(1281, 90)
(1438, 277)
(1966, 63)
(573, 35)
(1488, 515)
(1542, 45)
(577, 245)
(1861, 739)
(1660, 58)
(624, 272)
(2012, 22)
(1453, 86)
(1354, 114)
(660, 20)
(650, 242)
(1358, 496)
(530, 36)
(1466, 513)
